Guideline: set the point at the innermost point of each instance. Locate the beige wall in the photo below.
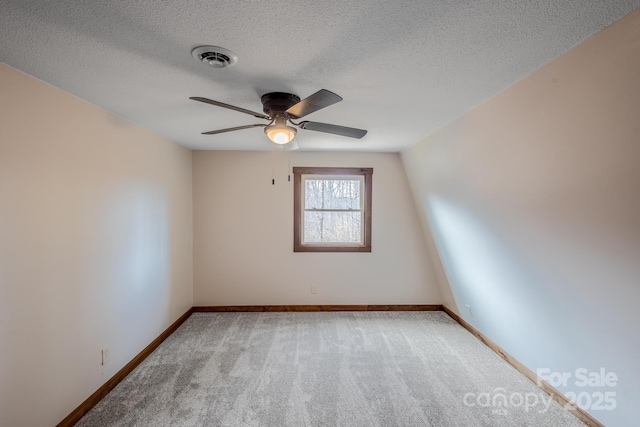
(243, 236)
(533, 200)
(95, 246)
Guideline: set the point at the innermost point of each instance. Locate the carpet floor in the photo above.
(325, 369)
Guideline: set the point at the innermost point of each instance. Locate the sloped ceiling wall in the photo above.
(532, 201)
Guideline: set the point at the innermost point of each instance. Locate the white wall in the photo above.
(95, 246)
(533, 199)
(243, 236)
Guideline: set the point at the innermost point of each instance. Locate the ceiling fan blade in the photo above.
(213, 132)
(334, 129)
(230, 107)
(320, 99)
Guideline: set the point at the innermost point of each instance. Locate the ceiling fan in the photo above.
(281, 108)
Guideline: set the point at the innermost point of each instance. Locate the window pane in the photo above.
(332, 227)
(332, 194)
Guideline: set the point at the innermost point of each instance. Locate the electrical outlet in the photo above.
(469, 309)
(105, 355)
(314, 289)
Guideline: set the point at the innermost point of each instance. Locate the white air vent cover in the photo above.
(217, 57)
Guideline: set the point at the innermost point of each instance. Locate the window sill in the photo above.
(331, 248)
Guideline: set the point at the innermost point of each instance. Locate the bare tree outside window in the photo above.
(332, 209)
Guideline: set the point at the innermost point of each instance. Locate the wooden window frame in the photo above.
(298, 211)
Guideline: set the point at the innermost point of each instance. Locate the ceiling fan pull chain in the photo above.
(273, 166)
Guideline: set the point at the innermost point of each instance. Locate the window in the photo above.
(332, 209)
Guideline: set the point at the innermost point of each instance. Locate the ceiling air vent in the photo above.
(216, 57)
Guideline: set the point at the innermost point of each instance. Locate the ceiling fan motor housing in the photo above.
(278, 102)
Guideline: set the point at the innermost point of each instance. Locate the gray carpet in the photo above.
(325, 369)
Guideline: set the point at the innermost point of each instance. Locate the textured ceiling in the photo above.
(404, 68)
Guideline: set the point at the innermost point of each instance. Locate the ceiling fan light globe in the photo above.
(280, 134)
